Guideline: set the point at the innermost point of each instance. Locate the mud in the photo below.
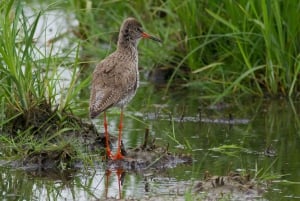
(147, 156)
(234, 186)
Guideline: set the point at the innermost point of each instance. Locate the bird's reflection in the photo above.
(110, 176)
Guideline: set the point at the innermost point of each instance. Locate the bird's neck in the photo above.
(127, 45)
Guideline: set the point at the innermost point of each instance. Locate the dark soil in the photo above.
(234, 186)
(148, 156)
(59, 152)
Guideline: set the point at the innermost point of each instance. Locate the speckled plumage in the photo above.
(116, 78)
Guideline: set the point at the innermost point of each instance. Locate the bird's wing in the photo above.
(111, 82)
(101, 96)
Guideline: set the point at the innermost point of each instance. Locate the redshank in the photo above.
(116, 78)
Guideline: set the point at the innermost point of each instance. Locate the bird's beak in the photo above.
(145, 35)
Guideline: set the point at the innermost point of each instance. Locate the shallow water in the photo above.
(215, 147)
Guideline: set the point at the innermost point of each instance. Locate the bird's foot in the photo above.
(118, 156)
(109, 154)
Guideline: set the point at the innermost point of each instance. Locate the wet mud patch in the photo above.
(43, 139)
(149, 156)
(234, 186)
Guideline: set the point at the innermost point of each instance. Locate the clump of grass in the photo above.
(29, 85)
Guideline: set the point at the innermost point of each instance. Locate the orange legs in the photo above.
(118, 155)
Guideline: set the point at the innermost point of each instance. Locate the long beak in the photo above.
(145, 35)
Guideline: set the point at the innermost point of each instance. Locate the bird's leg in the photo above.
(119, 173)
(107, 175)
(119, 154)
(108, 152)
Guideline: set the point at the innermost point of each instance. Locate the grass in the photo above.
(36, 109)
(220, 49)
(250, 46)
(29, 77)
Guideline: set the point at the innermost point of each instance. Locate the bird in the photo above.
(116, 78)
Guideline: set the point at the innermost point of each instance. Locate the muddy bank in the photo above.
(149, 156)
(60, 153)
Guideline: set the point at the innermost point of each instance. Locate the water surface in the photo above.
(176, 122)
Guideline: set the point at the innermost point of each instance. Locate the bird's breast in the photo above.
(130, 91)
